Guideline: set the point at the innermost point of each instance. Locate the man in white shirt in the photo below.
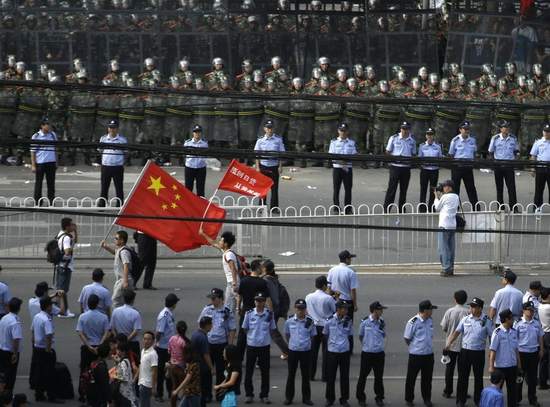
(544, 318)
(66, 239)
(446, 203)
(147, 370)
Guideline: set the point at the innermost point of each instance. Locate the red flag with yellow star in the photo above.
(157, 193)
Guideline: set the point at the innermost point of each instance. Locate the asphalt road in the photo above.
(400, 291)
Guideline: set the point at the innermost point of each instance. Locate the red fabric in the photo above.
(157, 193)
(245, 180)
(525, 6)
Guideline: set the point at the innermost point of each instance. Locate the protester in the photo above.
(125, 395)
(176, 347)
(99, 389)
(199, 341)
(66, 240)
(148, 370)
(122, 266)
(274, 288)
(190, 387)
(229, 389)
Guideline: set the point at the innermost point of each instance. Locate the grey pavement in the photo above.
(399, 289)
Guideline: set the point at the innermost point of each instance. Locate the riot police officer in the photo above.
(429, 174)
(464, 146)
(342, 171)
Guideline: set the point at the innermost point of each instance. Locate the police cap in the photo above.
(426, 305)
(528, 305)
(430, 131)
(342, 304)
(268, 124)
(215, 293)
(301, 304)
(465, 124)
(376, 305)
(405, 125)
(113, 124)
(343, 126)
(197, 128)
(345, 254)
(546, 128)
(260, 297)
(477, 302)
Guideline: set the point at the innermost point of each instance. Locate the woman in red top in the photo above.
(176, 346)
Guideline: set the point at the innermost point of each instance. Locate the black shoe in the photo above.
(56, 401)
(544, 387)
(329, 403)
(344, 403)
(287, 402)
(460, 404)
(534, 403)
(276, 211)
(39, 397)
(265, 400)
(149, 287)
(428, 403)
(409, 403)
(379, 402)
(362, 403)
(159, 399)
(307, 402)
(447, 395)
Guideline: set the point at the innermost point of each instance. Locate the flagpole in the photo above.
(208, 206)
(145, 167)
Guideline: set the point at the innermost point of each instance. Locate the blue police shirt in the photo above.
(111, 157)
(258, 327)
(420, 334)
(510, 298)
(430, 150)
(273, 143)
(475, 331)
(529, 333)
(125, 320)
(300, 331)
(372, 333)
(93, 324)
(192, 161)
(337, 331)
(105, 301)
(342, 278)
(34, 308)
(503, 148)
(166, 327)
(342, 146)
(42, 326)
(223, 321)
(44, 154)
(541, 149)
(504, 342)
(401, 147)
(320, 306)
(10, 329)
(464, 148)
(4, 298)
(491, 397)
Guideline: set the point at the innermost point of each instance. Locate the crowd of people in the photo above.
(124, 363)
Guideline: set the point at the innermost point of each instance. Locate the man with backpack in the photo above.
(123, 265)
(64, 268)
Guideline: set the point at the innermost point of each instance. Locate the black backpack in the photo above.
(135, 263)
(53, 254)
(284, 300)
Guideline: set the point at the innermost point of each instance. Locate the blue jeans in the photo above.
(190, 401)
(145, 394)
(446, 249)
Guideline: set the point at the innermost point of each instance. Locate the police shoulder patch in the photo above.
(497, 330)
(249, 311)
(413, 320)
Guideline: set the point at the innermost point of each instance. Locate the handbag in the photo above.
(460, 220)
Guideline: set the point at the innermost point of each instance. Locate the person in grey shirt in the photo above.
(122, 266)
(450, 321)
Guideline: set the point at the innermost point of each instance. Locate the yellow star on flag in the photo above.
(164, 207)
(156, 185)
(174, 187)
(177, 197)
(174, 205)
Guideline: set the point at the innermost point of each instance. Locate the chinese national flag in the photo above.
(156, 193)
(244, 180)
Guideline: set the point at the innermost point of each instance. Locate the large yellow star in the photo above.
(156, 185)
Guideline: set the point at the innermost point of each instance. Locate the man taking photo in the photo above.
(446, 203)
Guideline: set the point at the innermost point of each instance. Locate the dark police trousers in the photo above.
(47, 169)
(374, 362)
(8, 368)
(273, 173)
(507, 175)
(116, 174)
(43, 372)
(510, 376)
(260, 354)
(544, 365)
(163, 358)
(147, 253)
(342, 176)
(465, 174)
(337, 361)
(197, 175)
(399, 176)
(319, 341)
(529, 364)
(304, 359)
(449, 372)
(542, 178)
(470, 360)
(425, 365)
(428, 181)
(86, 359)
(216, 354)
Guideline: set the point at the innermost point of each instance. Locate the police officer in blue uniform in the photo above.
(222, 332)
(531, 350)
(342, 172)
(475, 328)
(418, 336)
(269, 166)
(299, 331)
(429, 174)
(337, 330)
(165, 329)
(401, 144)
(127, 320)
(372, 333)
(112, 164)
(11, 335)
(504, 354)
(464, 147)
(541, 152)
(504, 146)
(258, 324)
(195, 166)
(44, 161)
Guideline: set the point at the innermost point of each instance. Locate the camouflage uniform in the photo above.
(58, 102)
(358, 116)
(107, 110)
(178, 121)
(80, 123)
(203, 114)
(447, 119)
(419, 116)
(326, 118)
(250, 120)
(301, 123)
(386, 123)
(226, 122)
(8, 109)
(532, 122)
(130, 120)
(511, 114)
(32, 107)
(152, 128)
(276, 110)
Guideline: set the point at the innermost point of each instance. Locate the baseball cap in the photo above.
(376, 305)
(342, 304)
(215, 293)
(405, 125)
(345, 254)
(260, 297)
(268, 124)
(113, 124)
(300, 304)
(465, 124)
(430, 131)
(477, 302)
(528, 305)
(426, 305)
(171, 299)
(546, 127)
(343, 126)
(196, 128)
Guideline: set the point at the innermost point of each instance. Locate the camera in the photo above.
(439, 188)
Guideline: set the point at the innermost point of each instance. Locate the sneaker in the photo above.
(68, 314)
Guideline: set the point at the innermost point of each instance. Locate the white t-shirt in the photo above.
(544, 316)
(122, 257)
(447, 206)
(65, 241)
(228, 256)
(149, 359)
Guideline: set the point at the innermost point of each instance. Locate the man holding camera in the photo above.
(446, 203)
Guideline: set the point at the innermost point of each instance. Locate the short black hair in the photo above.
(14, 305)
(65, 223)
(129, 296)
(97, 275)
(41, 289)
(255, 265)
(269, 267)
(497, 377)
(181, 328)
(321, 282)
(228, 237)
(461, 297)
(123, 235)
(149, 333)
(544, 292)
(123, 346)
(120, 337)
(103, 350)
(505, 314)
(45, 302)
(205, 321)
(93, 301)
